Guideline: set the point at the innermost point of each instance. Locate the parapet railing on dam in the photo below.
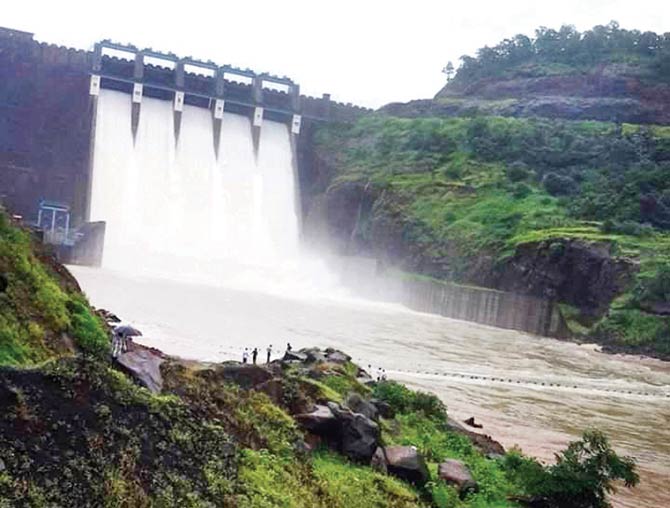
(188, 81)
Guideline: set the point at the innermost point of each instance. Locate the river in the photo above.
(529, 391)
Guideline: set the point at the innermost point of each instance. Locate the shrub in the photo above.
(586, 472)
(582, 477)
(517, 171)
(521, 191)
(654, 287)
(404, 400)
(558, 185)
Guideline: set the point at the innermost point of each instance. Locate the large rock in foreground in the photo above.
(144, 366)
(404, 462)
(321, 421)
(352, 434)
(358, 435)
(456, 473)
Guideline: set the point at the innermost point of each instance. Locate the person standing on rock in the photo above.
(269, 352)
(245, 355)
(289, 348)
(117, 343)
(254, 355)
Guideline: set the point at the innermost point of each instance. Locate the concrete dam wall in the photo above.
(501, 309)
(485, 306)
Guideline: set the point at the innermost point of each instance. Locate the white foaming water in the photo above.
(173, 209)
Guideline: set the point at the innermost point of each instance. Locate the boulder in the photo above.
(484, 443)
(358, 404)
(335, 356)
(403, 462)
(294, 356)
(320, 421)
(454, 472)
(313, 355)
(384, 409)
(144, 366)
(472, 423)
(358, 435)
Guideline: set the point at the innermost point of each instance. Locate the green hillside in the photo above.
(42, 313)
(461, 194)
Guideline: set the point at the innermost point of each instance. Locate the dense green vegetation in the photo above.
(567, 50)
(35, 311)
(582, 476)
(464, 188)
(421, 422)
(74, 431)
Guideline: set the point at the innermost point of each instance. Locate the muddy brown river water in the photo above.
(529, 391)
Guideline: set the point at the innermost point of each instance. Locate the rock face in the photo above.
(404, 462)
(144, 366)
(607, 92)
(582, 274)
(456, 473)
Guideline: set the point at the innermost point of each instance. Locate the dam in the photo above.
(172, 165)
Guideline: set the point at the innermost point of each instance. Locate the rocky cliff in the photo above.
(608, 92)
(606, 74)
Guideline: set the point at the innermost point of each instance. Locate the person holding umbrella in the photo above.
(122, 334)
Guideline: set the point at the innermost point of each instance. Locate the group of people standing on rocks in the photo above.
(254, 353)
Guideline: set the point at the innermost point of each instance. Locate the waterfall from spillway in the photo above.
(174, 209)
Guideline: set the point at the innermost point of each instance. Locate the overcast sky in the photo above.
(364, 51)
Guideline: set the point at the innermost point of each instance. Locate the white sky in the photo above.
(368, 52)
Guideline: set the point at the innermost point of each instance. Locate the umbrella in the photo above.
(127, 331)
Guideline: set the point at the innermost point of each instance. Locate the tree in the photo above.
(586, 472)
(449, 70)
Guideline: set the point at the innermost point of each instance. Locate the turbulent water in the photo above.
(186, 212)
(225, 233)
(427, 352)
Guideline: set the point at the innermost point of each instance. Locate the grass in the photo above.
(269, 481)
(351, 486)
(35, 311)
